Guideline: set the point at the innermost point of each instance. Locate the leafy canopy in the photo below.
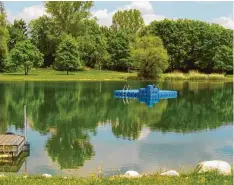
(68, 56)
(46, 36)
(24, 56)
(4, 36)
(17, 32)
(149, 54)
(69, 15)
(130, 20)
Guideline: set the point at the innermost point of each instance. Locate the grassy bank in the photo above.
(194, 76)
(53, 75)
(189, 179)
(96, 75)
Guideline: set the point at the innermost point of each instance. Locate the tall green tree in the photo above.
(4, 35)
(149, 54)
(21, 25)
(69, 15)
(93, 45)
(119, 49)
(24, 56)
(17, 32)
(45, 34)
(68, 56)
(128, 19)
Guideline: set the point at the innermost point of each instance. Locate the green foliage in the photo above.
(223, 59)
(4, 36)
(46, 36)
(119, 49)
(193, 44)
(69, 16)
(130, 20)
(150, 56)
(21, 25)
(93, 46)
(24, 56)
(17, 32)
(68, 56)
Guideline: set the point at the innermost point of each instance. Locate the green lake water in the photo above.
(73, 127)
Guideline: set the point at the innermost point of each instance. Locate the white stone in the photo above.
(2, 175)
(221, 167)
(65, 177)
(25, 176)
(170, 173)
(132, 173)
(46, 175)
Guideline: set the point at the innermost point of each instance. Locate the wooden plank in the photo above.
(11, 139)
(7, 139)
(18, 140)
(2, 138)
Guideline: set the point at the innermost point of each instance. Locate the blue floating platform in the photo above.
(150, 94)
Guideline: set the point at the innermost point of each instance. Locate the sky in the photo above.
(220, 12)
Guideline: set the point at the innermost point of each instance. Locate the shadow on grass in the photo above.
(65, 74)
(16, 74)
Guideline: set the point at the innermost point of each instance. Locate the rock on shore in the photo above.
(221, 167)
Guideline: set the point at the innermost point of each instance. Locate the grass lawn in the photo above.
(52, 75)
(189, 179)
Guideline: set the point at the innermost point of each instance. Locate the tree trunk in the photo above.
(25, 71)
(67, 72)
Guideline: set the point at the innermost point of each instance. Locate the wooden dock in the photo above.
(11, 145)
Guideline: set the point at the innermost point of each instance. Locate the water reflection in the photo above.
(72, 112)
(10, 164)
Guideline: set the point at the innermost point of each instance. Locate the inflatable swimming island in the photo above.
(150, 94)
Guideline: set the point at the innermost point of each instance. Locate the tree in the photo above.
(17, 32)
(190, 44)
(46, 37)
(69, 15)
(4, 35)
(21, 25)
(118, 47)
(93, 45)
(68, 56)
(223, 59)
(24, 56)
(148, 52)
(128, 19)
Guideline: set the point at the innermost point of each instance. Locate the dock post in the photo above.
(25, 124)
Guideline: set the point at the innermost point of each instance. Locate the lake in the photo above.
(76, 127)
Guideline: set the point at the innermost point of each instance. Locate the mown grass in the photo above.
(185, 179)
(95, 75)
(53, 75)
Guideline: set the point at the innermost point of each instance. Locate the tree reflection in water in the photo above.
(72, 111)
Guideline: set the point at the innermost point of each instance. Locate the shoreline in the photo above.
(40, 74)
(227, 79)
(150, 179)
